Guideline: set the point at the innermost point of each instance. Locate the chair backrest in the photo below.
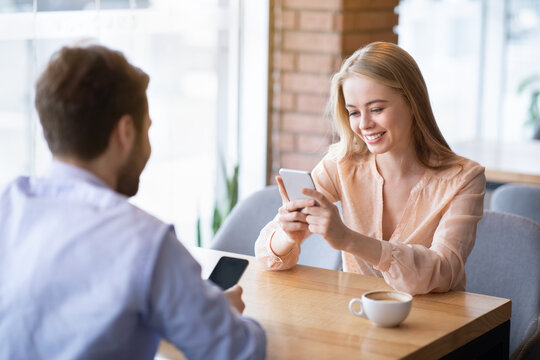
(242, 227)
(517, 199)
(505, 262)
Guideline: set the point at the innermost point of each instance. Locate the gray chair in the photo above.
(517, 199)
(505, 262)
(242, 227)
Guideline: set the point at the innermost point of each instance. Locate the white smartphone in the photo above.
(295, 181)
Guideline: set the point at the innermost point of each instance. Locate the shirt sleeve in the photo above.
(264, 254)
(195, 315)
(417, 269)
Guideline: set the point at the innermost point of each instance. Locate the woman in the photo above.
(410, 205)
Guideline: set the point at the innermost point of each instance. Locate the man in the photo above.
(84, 274)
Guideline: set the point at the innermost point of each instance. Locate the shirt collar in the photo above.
(62, 171)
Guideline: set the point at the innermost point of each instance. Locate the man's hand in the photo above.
(234, 295)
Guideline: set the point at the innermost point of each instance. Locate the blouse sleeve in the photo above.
(324, 175)
(418, 269)
(265, 255)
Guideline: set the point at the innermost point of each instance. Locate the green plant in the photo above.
(231, 198)
(532, 84)
(199, 234)
(223, 207)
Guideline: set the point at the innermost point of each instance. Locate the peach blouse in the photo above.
(436, 233)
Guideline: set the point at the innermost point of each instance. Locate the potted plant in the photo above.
(532, 85)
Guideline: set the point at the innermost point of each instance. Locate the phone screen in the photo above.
(228, 271)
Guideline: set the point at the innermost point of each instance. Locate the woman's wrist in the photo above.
(350, 240)
(363, 246)
(280, 245)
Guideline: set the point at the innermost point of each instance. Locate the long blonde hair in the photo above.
(389, 65)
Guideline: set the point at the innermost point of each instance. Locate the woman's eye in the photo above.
(353, 113)
(376, 110)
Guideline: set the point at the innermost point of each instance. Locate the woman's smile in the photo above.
(374, 138)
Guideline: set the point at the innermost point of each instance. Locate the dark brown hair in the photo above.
(83, 93)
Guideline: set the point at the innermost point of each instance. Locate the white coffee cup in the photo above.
(386, 308)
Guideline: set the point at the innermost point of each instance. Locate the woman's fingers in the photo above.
(320, 198)
(282, 191)
(292, 216)
(299, 204)
(296, 205)
(294, 226)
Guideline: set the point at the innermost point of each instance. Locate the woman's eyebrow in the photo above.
(368, 103)
(375, 101)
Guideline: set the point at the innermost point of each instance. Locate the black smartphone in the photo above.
(228, 271)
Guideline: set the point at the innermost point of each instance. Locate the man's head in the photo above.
(82, 97)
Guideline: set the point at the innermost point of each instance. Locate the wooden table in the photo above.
(504, 161)
(305, 315)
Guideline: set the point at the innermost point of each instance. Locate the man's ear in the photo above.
(125, 133)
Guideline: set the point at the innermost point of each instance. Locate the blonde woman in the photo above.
(410, 205)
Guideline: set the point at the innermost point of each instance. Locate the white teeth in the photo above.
(373, 137)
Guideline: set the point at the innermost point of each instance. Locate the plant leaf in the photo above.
(231, 197)
(533, 111)
(526, 82)
(199, 235)
(217, 219)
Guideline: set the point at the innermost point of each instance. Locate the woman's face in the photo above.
(378, 114)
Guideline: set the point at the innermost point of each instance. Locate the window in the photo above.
(192, 51)
(474, 54)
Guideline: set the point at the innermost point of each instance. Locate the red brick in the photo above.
(366, 20)
(306, 83)
(311, 104)
(338, 61)
(276, 79)
(277, 40)
(313, 4)
(304, 123)
(288, 19)
(275, 119)
(284, 61)
(316, 20)
(369, 4)
(299, 161)
(285, 141)
(352, 42)
(319, 63)
(317, 144)
(284, 101)
(312, 42)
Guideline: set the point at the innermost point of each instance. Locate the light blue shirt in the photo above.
(84, 274)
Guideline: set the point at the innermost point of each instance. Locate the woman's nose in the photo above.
(365, 122)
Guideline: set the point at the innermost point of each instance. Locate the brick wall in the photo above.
(309, 40)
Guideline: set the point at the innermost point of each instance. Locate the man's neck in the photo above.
(98, 166)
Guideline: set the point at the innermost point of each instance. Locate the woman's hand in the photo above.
(290, 218)
(325, 220)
